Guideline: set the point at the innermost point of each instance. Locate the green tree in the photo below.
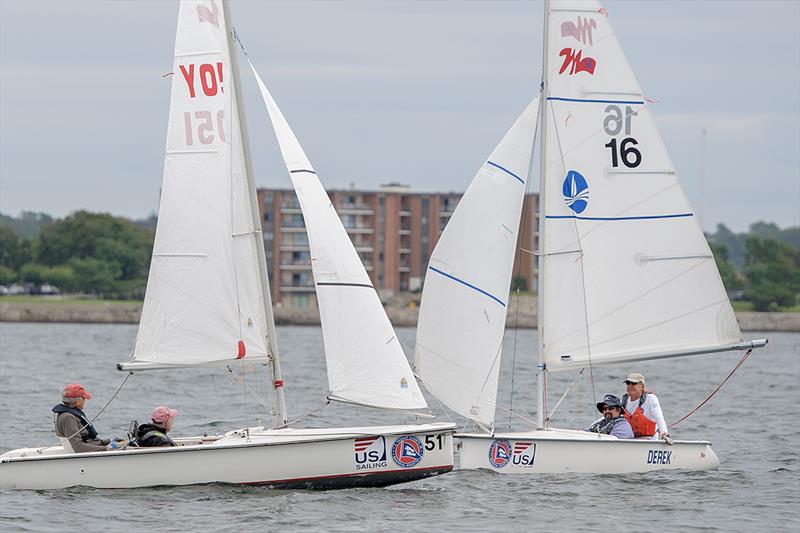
(773, 273)
(95, 276)
(14, 251)
(7, 275)
(730, 277)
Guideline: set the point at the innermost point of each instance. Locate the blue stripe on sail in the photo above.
(646, 217)
(471, 286)
(506, 171)
(581, 100)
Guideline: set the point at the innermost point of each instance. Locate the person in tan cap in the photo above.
(643, 410)
(77, 434)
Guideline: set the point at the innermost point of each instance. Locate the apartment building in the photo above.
(393, 229)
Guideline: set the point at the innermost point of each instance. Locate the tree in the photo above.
(773, 274)
(730, 277)
(14, 251)
(94, 276)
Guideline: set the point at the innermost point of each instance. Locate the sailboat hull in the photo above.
(557, 451)
(284, 458)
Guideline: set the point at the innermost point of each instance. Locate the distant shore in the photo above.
(111, 312)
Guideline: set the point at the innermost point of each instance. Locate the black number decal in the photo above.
(631, 157)
(434, 441)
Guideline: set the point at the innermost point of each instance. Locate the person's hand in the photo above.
(118, 444)
(667, 438)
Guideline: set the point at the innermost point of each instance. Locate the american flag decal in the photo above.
(521, 446)
(363, 443)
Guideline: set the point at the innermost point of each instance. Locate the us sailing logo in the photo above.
(576, 191)
(370, 452)
(524, 453)
(407, 451)
(500, 453)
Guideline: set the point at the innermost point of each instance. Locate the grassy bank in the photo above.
(63, 300)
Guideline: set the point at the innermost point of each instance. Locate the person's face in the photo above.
(80, 402)
(611, 411)
(168, 424)
(634, 389)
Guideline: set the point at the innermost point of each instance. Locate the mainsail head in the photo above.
(627, 273)
(464, 300)
(366, 364)
(203, 303)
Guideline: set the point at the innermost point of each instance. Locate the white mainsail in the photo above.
(366, 364)
(463, 310)
(200, 307)
(627, 273)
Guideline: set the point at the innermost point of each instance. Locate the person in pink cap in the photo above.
(155, 433)
(77, 434)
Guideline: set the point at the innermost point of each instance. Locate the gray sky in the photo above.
(417, 92)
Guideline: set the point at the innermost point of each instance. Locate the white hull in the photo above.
(283, 458)
(555, 451)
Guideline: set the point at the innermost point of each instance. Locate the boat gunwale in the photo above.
(309, 439)
(542, 438)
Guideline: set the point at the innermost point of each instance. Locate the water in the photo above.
(753, 422)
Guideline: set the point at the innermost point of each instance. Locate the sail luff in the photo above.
(277, 385)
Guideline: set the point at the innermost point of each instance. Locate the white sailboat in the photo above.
(625, 273)
(208, 303)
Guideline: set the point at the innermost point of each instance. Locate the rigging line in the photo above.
(419, 378)
(580, 374)
(104, 407)
(580, 258)
(311, 412)
(253, 393)
(518, 267)
(517, 415)
(690, 413)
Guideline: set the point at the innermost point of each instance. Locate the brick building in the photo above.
(393, 229)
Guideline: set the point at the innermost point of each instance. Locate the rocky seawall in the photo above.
(522, 314)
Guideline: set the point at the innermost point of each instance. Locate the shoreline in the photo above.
(522, 315)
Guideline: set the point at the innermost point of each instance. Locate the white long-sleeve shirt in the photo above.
(651, 409)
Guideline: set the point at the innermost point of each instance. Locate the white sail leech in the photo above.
(196, 311)
(366, 363)
(612, 193)
(464, 300)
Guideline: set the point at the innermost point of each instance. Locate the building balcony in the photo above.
(404, 250)
(294, 247)
(360, 230)
(404, 269)
(297, 288)
(293, 229)
(366, 248)
(296, 266)
(405, 213)
(354, 209)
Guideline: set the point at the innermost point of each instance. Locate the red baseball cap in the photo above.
(76, 390)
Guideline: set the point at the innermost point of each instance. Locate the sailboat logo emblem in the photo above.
(407, 451)
(500, 453)
(576, 191)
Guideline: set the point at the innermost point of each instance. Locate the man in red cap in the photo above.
(73, 427)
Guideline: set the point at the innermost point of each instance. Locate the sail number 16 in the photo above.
(626, 149)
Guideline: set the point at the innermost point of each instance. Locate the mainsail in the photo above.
(366, 364)
(464, 300)
(627, 273)
(200, 307)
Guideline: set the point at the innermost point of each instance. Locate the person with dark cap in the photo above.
(613, 422)
(155, 434)
(643, 410)
(77, 434)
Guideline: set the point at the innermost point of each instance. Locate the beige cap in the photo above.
(636, 378)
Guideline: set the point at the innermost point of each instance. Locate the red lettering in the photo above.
(189, 77)
(208, 79)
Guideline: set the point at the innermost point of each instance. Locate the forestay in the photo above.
(463, 309)
(200, 306)
(627, 271)
(366, 364)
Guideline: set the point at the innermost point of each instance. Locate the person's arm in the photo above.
(656, 414)
(71, 427)
(622, 431)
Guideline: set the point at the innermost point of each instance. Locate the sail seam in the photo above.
(302, 170)
(339, 284)
(594, 101)
(506, 171)
(643, 217)
(470, 285)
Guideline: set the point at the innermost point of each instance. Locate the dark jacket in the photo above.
(150, 435)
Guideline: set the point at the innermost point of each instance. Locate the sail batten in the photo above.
(463, 309)
(366, 364)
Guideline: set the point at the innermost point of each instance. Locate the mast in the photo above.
(281, 417)
(541, 377)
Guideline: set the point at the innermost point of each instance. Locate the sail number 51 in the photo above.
(434, 442)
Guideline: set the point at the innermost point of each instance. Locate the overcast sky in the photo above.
(416, 92)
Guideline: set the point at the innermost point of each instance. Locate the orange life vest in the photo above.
(642, 426)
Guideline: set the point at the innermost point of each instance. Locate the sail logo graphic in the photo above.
(500, 453)
(524, 453)
(576, 191)
(370, 452)
(574, 60)
(581, 30)
(407, 451)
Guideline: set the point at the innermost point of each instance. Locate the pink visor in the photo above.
(162, 414)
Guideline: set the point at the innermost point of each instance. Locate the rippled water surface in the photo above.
(753, 422)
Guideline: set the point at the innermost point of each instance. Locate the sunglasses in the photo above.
(609, 408)
(631, 383)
